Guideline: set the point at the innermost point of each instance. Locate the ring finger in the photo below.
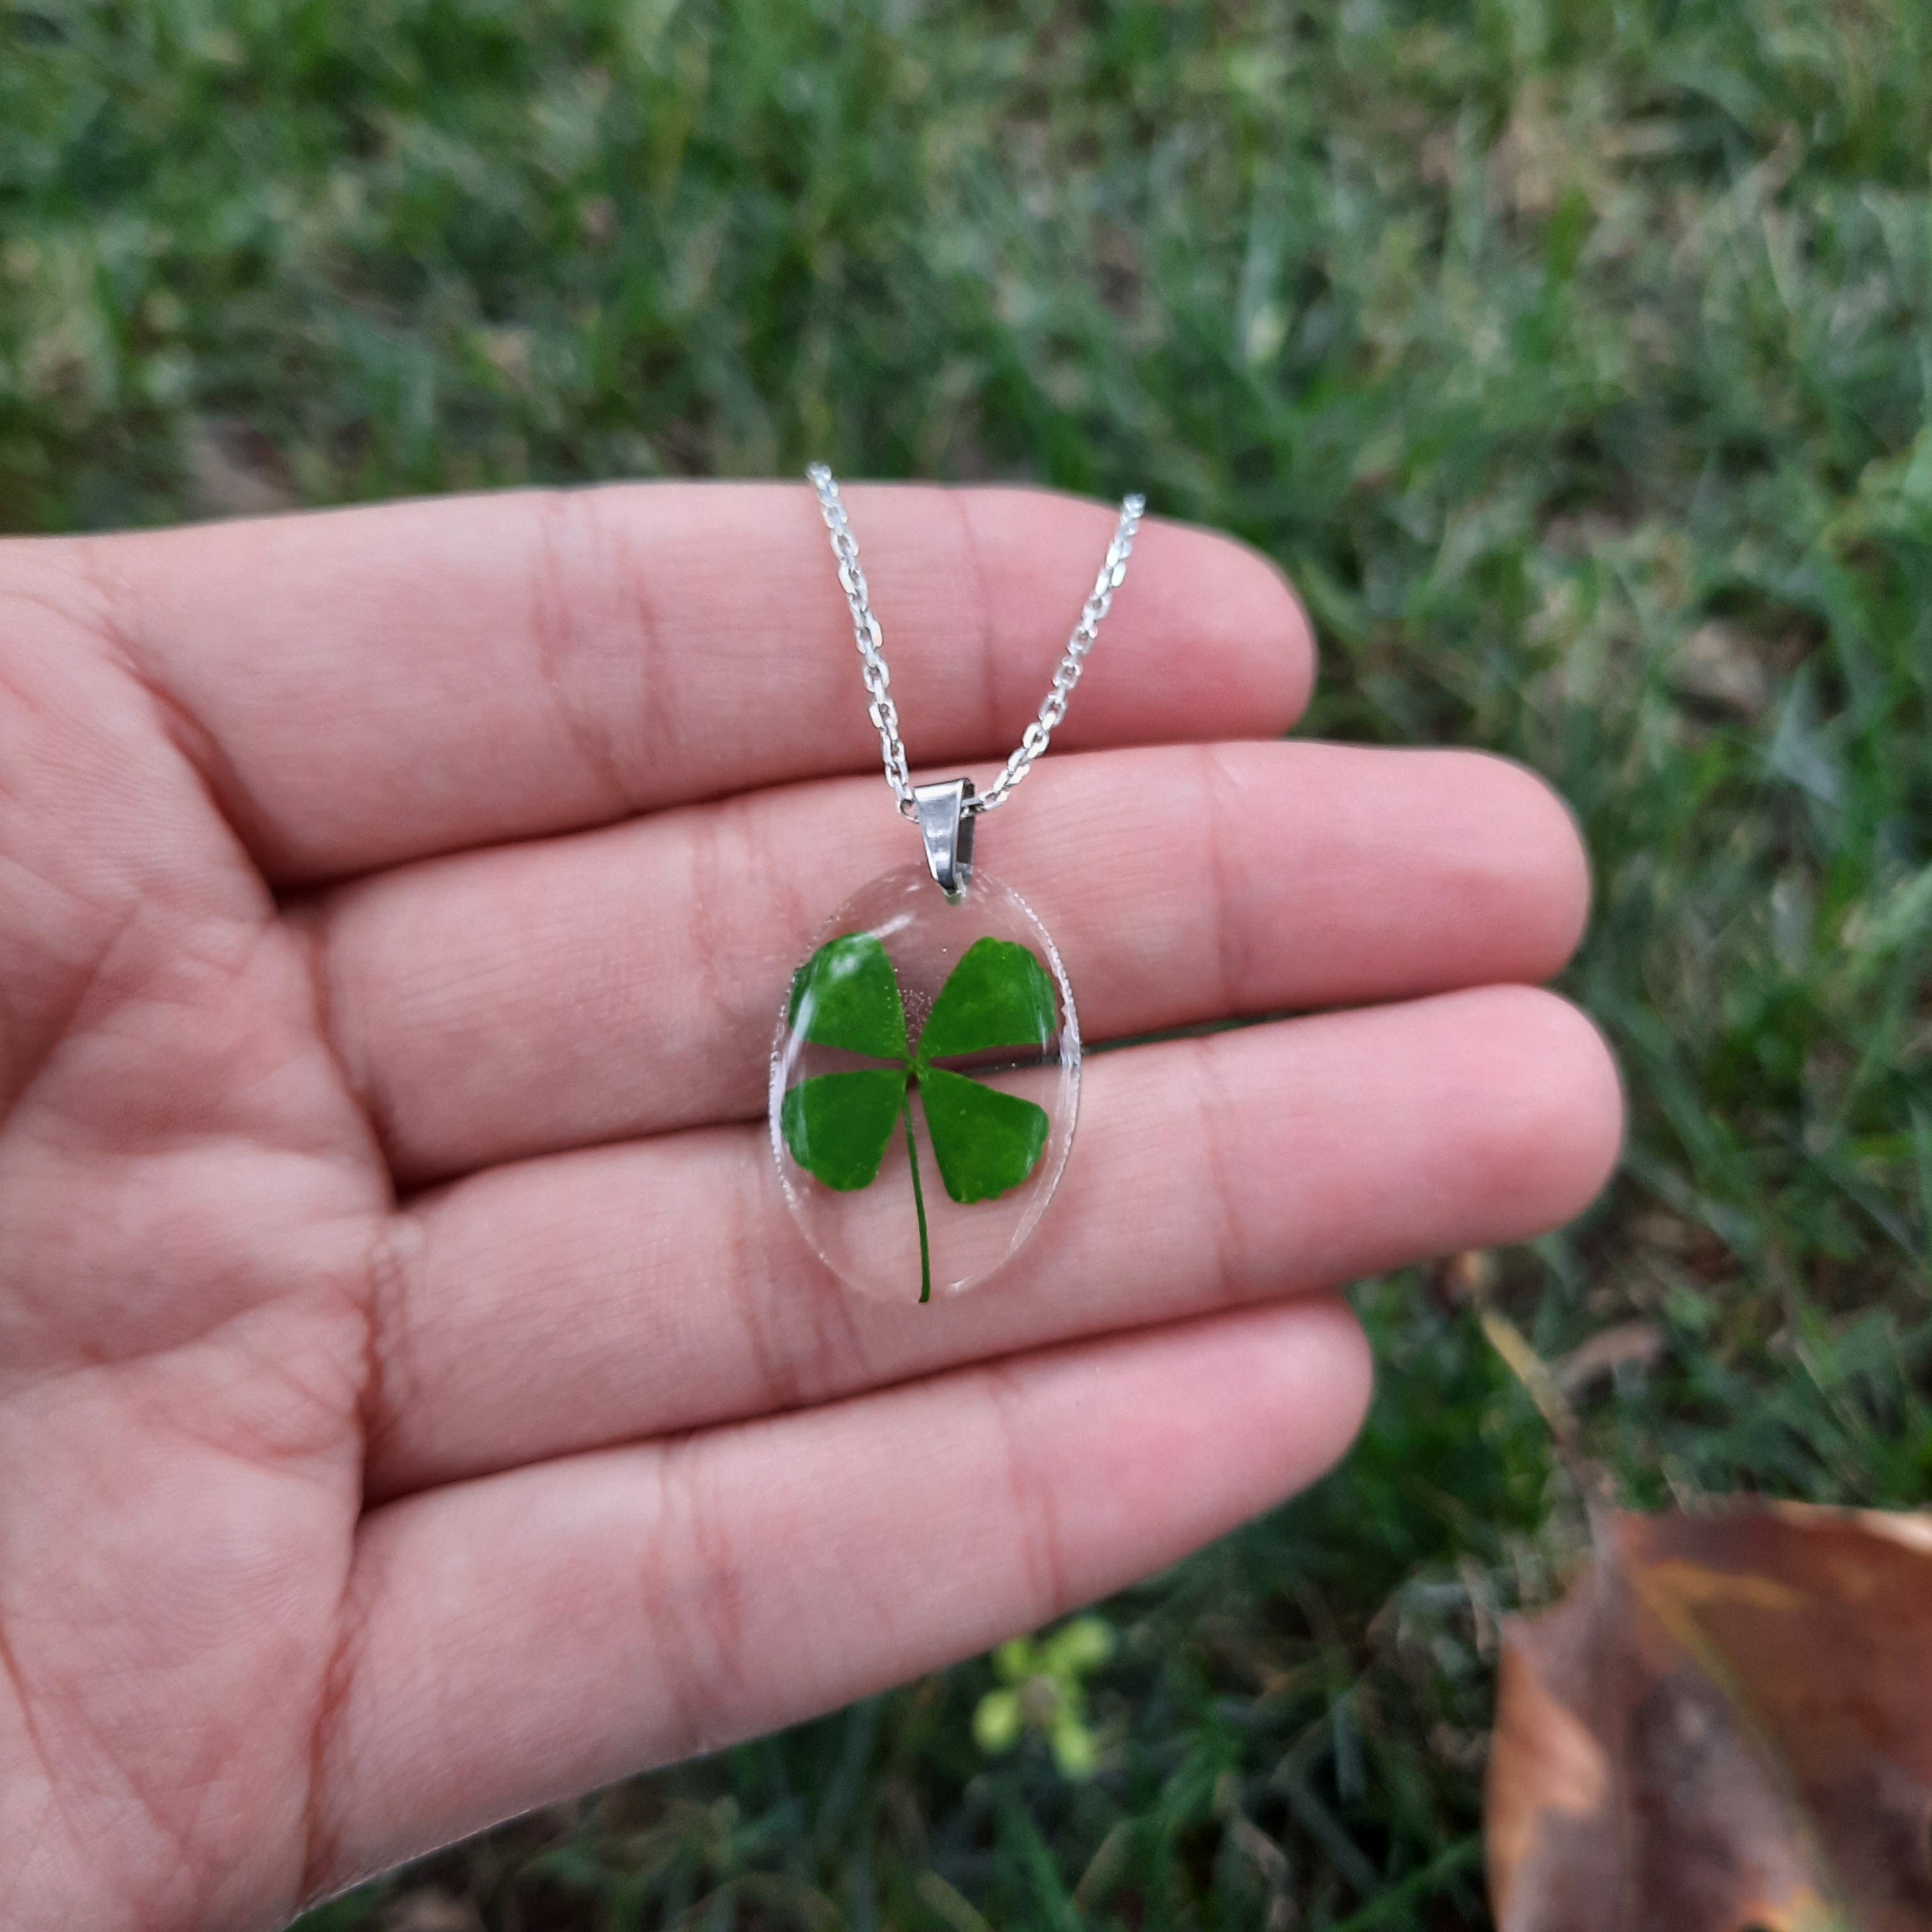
(607, 1295)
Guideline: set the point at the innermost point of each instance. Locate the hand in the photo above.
(416, 1403)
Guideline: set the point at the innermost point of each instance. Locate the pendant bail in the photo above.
(947, 828)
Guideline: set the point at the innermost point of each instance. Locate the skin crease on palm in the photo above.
(416, 1404)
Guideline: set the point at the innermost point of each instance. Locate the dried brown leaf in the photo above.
(235, 470)
(430, 1909)
(1727, 1725)
(1724, 664)
(1627, 1344)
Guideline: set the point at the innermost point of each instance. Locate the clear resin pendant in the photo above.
(924, 1082)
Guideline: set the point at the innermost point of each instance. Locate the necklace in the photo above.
(936, 984)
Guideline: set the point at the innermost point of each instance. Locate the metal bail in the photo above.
(947, 828)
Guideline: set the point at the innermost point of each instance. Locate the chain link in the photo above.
(884, 713)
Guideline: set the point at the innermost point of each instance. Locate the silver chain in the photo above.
(884, 713)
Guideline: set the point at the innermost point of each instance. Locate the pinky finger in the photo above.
(529, 1635)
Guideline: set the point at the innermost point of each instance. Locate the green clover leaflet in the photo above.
(837, 1125)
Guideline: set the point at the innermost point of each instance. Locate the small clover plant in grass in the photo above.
(837, 1125)
(1042, 1691)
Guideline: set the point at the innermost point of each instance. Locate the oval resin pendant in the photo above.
(924, 1082)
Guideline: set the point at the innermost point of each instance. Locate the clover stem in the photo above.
(919, 1202)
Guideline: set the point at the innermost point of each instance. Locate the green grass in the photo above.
(1572, 354)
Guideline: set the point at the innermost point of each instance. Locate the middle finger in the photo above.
(499, 1004)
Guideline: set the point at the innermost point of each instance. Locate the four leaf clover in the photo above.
(837, 1125)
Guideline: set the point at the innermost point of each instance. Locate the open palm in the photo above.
(415, 1402)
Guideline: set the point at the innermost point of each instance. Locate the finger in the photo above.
(533, 1634)
(600, 1297)
(625, 982)
(370, 685)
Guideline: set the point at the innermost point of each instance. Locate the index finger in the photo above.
(363, 687)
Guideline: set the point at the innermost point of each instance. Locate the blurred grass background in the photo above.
(1572, 354)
